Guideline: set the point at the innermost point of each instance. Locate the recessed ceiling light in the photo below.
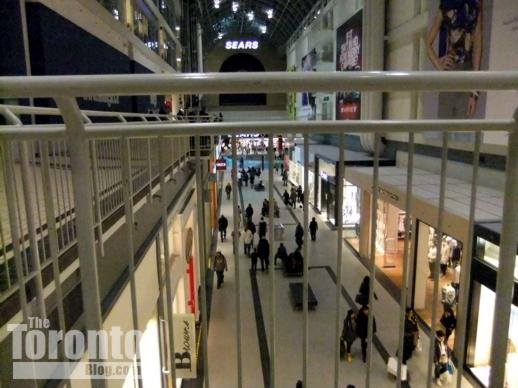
(216, 3)
(235, 6)
(263, 29)
(177, 28)
(178, 59)
(269, 13)
(250, 15)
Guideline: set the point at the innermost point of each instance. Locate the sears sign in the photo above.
(242, 45)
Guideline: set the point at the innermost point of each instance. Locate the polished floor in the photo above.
(255, 296)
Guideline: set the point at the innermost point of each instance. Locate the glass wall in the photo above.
(490, 252)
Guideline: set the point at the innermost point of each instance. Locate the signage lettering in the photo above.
(221, 164)
(241, 45)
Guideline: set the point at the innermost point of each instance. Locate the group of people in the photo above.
(296, 195)
(265, 210)
(248, 174)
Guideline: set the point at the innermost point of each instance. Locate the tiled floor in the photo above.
(288, 363)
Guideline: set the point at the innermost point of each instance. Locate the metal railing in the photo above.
(77, 133)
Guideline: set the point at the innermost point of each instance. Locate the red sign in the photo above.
(221, 165)
(348, 111)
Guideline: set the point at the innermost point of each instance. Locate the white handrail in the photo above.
(259, 82)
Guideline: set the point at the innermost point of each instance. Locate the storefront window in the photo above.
(479, 341)
(490, 253)
(450, 257)
(113, 6)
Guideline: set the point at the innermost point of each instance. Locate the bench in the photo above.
(296, 290)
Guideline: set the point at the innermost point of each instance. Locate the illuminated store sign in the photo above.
(221, 164)
(242, 45)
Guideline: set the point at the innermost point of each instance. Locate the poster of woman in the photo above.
(349, 58)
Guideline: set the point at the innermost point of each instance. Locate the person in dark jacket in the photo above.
(262, 228)
(222, 226)
(228, 190)
(362, 328)
(249, 211)
(441, 355)
(298, 261)
(449, 322)
(254, 257)
(410, 335)
(349, 333)
(299, 193)
(364, 291)
(219, 265)
(263, 251)
(286, 198)
(281, 254)
(299, 235)
(313, 227)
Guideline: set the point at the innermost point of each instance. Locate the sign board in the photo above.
(184, 345)
(241, 45)
(221, 165)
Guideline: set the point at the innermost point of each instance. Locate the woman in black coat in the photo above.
(362, 329)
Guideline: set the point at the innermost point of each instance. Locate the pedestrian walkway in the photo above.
(255, 299)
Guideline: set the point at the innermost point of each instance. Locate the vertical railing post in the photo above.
(271, 237)
(97, 197)
(235, 242)
(202, 257)
(83, 195)
(305, 282)
(506, 266)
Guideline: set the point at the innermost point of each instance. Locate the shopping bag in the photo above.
(392, 368)
(419, 346)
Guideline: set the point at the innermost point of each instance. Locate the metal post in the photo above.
(406, 254)
(127, 188)
(235, 241)
(465, 276)
(80, 167)
(372, 264)
(506, 263)
(203, 260)
(438, 243)
(339, 247)
(15, 235)
(167, 260)
(305, 332)
(29, 201)
(95, 169)
(271, 215)
(199, 47)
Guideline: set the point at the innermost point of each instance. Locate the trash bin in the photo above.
(278, 232)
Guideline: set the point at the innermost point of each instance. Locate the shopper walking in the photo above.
(262, 228)
(222, 225)
(349, 333)
(228, 190)
(299, 193)
(410, 335)
(293, 197)
(219, 265)
(441, 357)
(263, 250)
(248, 239)
(286, 198)
(249, 211)
(313, 227)
(362, 298)
(362, 325)
(254, 257)
(285, 178)
(299, 235)
(449, 322)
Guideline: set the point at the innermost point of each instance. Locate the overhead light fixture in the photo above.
(115, 13)
(178, 59)
(269, 13)
(318, 12)
(263, 29)
(235, 6)
(220, 35)
(177, 28)
(216, 3)
(250, 15)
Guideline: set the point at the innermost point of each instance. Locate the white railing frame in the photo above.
(65, 88)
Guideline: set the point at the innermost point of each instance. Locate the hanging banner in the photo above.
(349, 58)
(184, 345)
(308, 107)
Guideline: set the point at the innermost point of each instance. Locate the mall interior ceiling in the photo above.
(274, 20)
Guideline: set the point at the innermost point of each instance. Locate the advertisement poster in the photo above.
(292, 100)
(349, 58)
(457, 40)
(308, 107)
(185, 345)
(503, 55)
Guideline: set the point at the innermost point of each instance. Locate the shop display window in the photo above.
(490, 253)
(450, 257)
(479, 340)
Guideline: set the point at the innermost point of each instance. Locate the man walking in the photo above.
(223, 224)
(262, 228)
(248, 239)
(313, 227)
(299, 235)
(228, 190)
(219, 265)
(249, 211)
(263, 251)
